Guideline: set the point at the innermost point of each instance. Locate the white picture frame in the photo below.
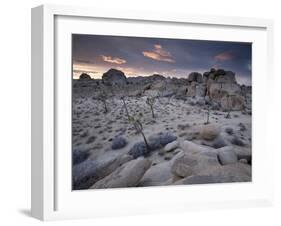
(52, 197)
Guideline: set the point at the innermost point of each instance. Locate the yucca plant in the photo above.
(229, 105)
(136, 121)
(103, 98)
(151, 101)
(208, 113)
(125, 106)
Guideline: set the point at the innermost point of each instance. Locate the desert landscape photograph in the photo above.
(158, 112)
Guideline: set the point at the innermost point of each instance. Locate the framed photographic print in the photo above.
(136, 112)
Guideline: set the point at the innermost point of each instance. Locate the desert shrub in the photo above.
(219, 142)
(79, 156)
(84, 174)
(160, 140)
(118, 142)
(236, 141)
(151, 101)
(229, 130)
(242, 126)
(139, 149)
(91, 139)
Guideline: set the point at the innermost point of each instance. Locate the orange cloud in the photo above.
(224, 56)
(158, 53)
(113, 60)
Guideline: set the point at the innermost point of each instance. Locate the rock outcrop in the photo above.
(114, 77)
(85, 76)
(127, 175)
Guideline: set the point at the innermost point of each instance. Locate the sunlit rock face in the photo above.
(222, 87)
(114, 77)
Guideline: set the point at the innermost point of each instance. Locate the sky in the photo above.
(138, 56)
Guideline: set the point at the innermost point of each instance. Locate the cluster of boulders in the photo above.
(219, 86)
(184, 162)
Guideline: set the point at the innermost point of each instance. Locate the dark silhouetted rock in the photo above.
(85, 76)
(114, 77)
(195, 77)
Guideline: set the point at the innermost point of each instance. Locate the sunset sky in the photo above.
(96, 54)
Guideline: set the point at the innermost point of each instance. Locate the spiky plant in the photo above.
(136, 121)
(208, 113)
(228, 105)
(151, 101)
(125, 106)
(103, 98)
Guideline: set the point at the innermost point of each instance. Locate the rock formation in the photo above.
(85, 76)
(114, 77)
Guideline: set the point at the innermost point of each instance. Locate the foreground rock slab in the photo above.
(90, 171)
(128, 175)
(227, 155)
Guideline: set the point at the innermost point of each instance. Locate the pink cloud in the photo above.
(159, 54)
(113, 60)
(224, 56)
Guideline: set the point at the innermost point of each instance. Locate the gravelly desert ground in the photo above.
(94, 131)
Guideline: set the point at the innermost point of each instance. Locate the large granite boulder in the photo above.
(225, 77)
(196, 89)
(237, 172)
(114, 77)
(210, 131)
(127, 175)
(86, 173)
(84, 77)
(218, 90)
(226, 155)
(233, 102)
(156, 174)
(195, 77)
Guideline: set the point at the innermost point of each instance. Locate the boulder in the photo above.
(202, 179)
(244, 153)
(237, 172)
(225, 77)
(210, 131)
(226, 155)
(233, 102)
(171, 146)
(195, 89)
(128, 175)
(114, 77)
(220, 142)
(218, 90)
(156, 174)
(84, 76)
(196, 163)
(181, 169)
(245, 161)
(90, 171)
(193, 148)
(195, 77)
